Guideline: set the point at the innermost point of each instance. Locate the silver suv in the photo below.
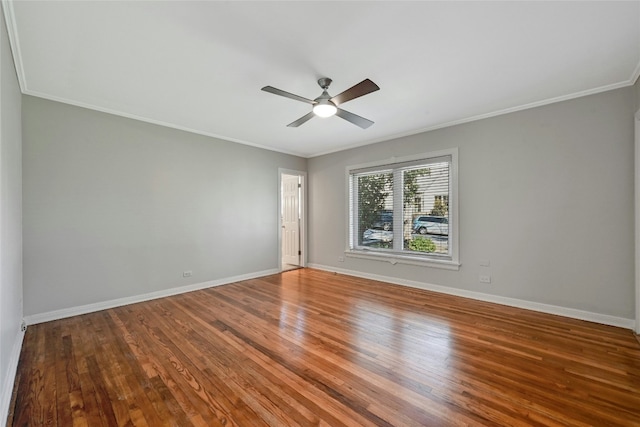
(431, 225)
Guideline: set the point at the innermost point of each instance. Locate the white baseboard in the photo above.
(10, 378)
(513, 302)
(90, 308)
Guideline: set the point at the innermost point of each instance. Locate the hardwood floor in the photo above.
(312, 348)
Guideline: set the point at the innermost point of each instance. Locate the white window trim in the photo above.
(451, 262)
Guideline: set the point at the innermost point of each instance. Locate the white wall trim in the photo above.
(636, 215)
(17, 55)
(512, 302)
(635, 75)
(393, 259)
(163, 123)
(90, 308)
(496, 113)
(10, 20)
(10, 378)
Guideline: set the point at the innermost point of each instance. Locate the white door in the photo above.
(290, 220)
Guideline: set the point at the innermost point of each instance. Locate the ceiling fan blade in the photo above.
(275, 91)
(301, 120)
(354, 118)
(364, 87)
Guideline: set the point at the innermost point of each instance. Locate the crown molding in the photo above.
(496, 113)
(9, 15)
(635, 75)
(154, 121)
(14, 42)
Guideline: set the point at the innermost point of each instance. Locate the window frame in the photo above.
(449, 262)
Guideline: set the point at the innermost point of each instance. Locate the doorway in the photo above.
(291, 217)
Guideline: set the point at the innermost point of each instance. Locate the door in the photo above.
(291, 220)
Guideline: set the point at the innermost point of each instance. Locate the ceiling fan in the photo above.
(326, 106)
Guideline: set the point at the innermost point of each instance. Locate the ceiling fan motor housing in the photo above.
(324, 82)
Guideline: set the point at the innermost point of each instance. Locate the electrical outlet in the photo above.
(23, 326)
(485, 278)
(187, 273)
(340, 259)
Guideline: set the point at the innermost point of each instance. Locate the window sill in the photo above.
(394, 259)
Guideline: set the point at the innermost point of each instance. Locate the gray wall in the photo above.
(10, 221)
(115, 208)
(545, 194)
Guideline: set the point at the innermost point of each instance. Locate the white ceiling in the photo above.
(199, 66)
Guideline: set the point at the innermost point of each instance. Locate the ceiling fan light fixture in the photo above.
(324, 108)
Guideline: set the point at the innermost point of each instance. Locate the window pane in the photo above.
(426, 208)
(375, 210)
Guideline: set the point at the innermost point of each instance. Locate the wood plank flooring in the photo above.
(311, 348)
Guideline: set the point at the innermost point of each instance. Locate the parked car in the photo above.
(431, 225)
(377, 235)
(384, 221)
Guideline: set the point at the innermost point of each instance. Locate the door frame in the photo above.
(637, 218)
(303, 215)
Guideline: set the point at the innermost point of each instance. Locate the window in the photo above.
(402, 210)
